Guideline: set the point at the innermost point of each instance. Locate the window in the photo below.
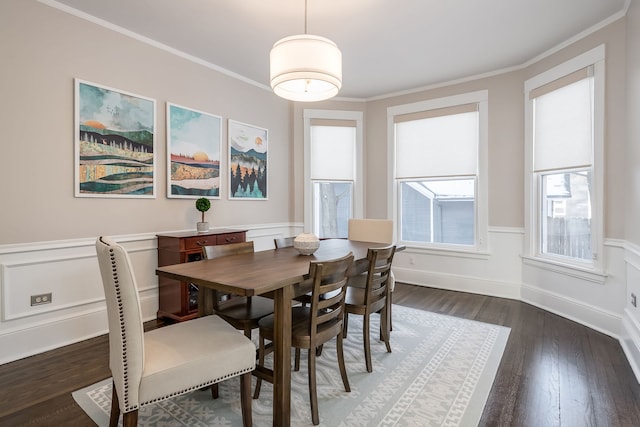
(438, 211)
(439, 147)
(564, 122)
(333, 141)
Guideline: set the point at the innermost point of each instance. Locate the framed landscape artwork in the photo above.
(248, 149)
(115, 142)
(193, 153)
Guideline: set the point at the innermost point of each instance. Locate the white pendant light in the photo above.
(306, 67)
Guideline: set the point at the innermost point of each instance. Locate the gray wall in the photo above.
(506, 132)
(42, 51)
(632, 149)
(37, 138)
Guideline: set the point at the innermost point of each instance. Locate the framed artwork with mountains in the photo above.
(248, 150)
(115, 153)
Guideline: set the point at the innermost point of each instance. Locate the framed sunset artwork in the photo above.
(193, 153)
(248, 154)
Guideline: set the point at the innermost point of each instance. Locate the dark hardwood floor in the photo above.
(554, 372)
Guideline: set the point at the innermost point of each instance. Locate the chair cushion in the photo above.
(190, 355)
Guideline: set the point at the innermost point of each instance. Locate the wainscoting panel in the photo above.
(630, 342)
(630, 330)
(497, 272)
(69, 271)
(596, 304)
(21, 280)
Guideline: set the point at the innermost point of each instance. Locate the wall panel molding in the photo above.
(630, 342)
(80, 313)
(69, 270)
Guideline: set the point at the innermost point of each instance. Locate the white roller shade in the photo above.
(333, 152)
(444, 145)
(563, 127)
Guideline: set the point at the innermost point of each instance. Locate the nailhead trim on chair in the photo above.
(123, 335)
(196, 387)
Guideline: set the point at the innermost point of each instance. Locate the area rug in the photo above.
(439, 374)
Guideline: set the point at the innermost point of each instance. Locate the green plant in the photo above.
(203, 204)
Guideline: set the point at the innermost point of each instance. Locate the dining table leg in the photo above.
(282, 357)
(205, 301)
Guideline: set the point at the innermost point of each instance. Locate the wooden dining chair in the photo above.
(149, 367)
(371, 297)
(375, 231)
(242, 312)
(287, 242)
(316, 324)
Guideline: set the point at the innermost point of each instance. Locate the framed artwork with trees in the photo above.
(248, 158)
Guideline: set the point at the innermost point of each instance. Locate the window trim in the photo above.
(481, 214)
(358, 184)
(532, 238)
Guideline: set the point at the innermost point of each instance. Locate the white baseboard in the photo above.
(588, 315)
(630, 342)
(452, 282)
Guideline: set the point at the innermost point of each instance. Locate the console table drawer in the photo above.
(224, 239)
(191, 243)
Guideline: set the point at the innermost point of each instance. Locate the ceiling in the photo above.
(388, 46)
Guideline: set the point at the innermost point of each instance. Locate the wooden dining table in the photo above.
(278, 274)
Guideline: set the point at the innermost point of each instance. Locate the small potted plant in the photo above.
(203, 204)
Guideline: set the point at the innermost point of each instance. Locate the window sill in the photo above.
(595, 276)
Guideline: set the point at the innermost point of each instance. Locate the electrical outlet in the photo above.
(633, 300)
(41, 299)
(412, 259)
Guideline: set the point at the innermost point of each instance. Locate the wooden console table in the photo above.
(179, 300)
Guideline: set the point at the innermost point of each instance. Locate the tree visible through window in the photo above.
(334, 205)
(333, 171)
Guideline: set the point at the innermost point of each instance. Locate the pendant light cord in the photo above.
(305, 16)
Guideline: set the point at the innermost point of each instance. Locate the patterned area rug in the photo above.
(439, 374)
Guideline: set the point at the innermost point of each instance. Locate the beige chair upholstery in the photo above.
(149, 367)
(371, 230)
